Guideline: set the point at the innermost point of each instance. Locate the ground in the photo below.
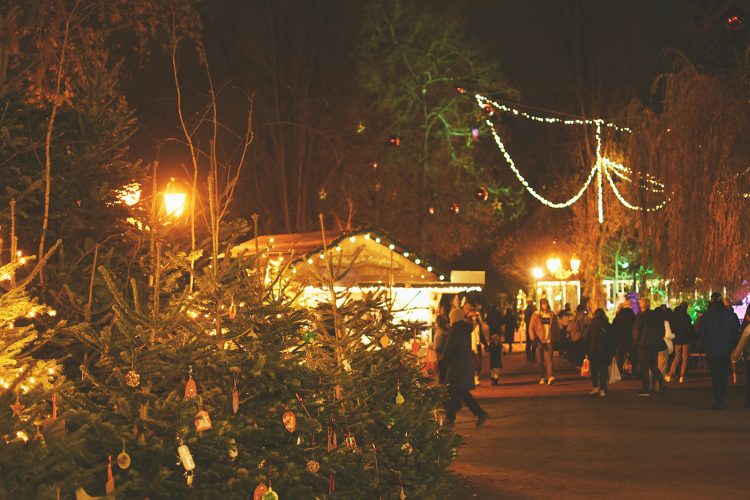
(559, 442)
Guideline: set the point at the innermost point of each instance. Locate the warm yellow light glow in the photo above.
(367, 236)
(417, 261)
(309, 261)
(553, 264)
(22, 436)
(352, 239)
(52, 312)
(22, 260)
(575, 264)
(537, 273)
(130, 194)
(174, 204)
(391, 246)
(174, 200)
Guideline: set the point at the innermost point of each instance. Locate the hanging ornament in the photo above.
(399, 397)
(123, 459)
(361, 127)
(313, 466)
(309, 337)
(734, 19)
(347, 365)
(481, 193)
(431, 210)
(233, 451)
(332, 440)
(402, 495)
(394, 140)
(270, 495)
(389, 425)
(190, 388)
(186, 459)
(497, 205)
(489, 110)
(406, 447)
(475, 134)
(259, 491)
(373, 165)
(338, 392)
(133, 378)
(350, 441)
(384, 340)
(235, 399)
(17, 407)
(454, 208)
(202, 421)
(416, 346)
(289, 420)
(109, 488)
(322, 194)
(232, 310)
(460, 90)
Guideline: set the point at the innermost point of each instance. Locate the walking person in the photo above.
(495, 350)
(649, 333)
(622, 327)
(684, 333)
(478, 340)
(599, 342)
(544, 328)
(510, 327)
(576, 329)
(459, 369)
(530, 345)
(743, 348)
(442, 328)
(718, 330)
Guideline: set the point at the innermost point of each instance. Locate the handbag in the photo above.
(586, 367)
(614, 372)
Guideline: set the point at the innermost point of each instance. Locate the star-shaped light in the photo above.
(497, 205)
(322, 194)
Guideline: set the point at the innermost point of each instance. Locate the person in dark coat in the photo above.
(718, 330)
(599, 342)
(459, 369)
(530, 344)
(648, 338)
(496, 358)
(684, 334)
(622, 327)
(510, 326)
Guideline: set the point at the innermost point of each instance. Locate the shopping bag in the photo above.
(586, 367)
(627, 367)
(614, 372)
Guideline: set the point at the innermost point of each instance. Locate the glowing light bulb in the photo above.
(537, 273)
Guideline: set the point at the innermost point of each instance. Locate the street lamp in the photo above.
(174, 200)
(537, 273)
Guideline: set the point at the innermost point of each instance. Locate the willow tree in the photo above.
(694, 138)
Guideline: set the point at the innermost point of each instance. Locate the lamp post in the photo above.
(561, 273)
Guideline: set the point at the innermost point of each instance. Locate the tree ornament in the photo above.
(390, 424)
(350, 441)
(497, 205)
(361, 128)
(416, 346)
(17, 407)
(186, 459)
(394, 140)
(235, 399)
(270, 494)
(734, 19)
(289, 420)
(310, 337)
(232, 310)
(481, 193)
(133, 378)
(454, 208)
(338, 392)
(109, 488)
(191, 390)
(399, 397)
(322, 194)
(332, 440)
(385, 340)
(347, 365)
(460, 90)
(259, 491)
(202, 421)
(233, 450)
(123, 459)
(431, 210)
(373, 165)
(402, 495)
(313, 466)
(475, 134)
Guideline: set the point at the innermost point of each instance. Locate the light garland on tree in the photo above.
(603, 166)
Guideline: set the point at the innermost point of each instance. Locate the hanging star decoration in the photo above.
(17, 407)
(497, 205)
(322, 194)
(603, 168)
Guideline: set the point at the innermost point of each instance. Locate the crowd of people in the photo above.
(653, 345)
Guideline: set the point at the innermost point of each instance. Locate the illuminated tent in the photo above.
(364, 260)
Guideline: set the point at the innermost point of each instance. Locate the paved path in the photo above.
(559, 442)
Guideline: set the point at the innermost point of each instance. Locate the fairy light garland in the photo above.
(603, 166)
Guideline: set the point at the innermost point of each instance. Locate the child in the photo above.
(496, 361)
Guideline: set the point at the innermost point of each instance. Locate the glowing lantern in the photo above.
(174, 200)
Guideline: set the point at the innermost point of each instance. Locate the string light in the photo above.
(603, 166)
